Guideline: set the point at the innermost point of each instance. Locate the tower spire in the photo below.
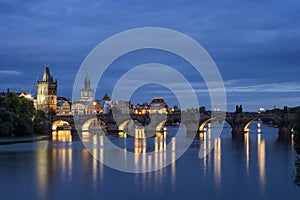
(87, 82)
(46, 76)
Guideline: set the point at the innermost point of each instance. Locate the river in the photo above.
(258, 167)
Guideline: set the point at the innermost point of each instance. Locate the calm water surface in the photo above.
(259, 167)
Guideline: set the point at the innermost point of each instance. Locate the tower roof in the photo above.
(87, 83)
(47, 76)
(106, 97)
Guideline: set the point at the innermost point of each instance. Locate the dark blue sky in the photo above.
(255, 44)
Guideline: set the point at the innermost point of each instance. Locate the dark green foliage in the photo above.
(297, 133)
(297, 142)
(40, 122)
(7, 122)
(297, 148)
(23, 125)
(16, 115)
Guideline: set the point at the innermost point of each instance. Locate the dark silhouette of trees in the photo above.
(16, 115)
(297, 149)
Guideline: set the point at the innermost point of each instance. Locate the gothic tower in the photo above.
(46, 93)
(87, 93)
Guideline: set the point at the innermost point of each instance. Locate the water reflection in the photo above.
(60, 168)
(58, 163)
(53, 162)
(207, 143)
(261, 153)
(253, 143)
(62, 136)
(217, 162)
(247, 151)
(297, 172)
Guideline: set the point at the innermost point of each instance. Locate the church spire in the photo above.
(87, 93)
(46, 76)
(87, 82)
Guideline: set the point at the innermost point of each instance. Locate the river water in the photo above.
(258, 167)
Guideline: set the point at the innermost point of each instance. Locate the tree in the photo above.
(40, 122)
(297, 132)
(12, 103)
(6, 122)
(16, 115)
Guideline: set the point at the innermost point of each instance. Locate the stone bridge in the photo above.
(239, 121)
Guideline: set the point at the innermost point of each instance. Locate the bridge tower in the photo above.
(46, 93)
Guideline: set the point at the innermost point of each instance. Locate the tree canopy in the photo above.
(16, 114)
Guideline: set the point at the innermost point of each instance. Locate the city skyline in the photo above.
(254, 44)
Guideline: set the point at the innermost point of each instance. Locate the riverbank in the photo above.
(25, 139)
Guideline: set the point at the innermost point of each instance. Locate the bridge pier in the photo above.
(285, 133)
(285, 126)
(237, 130)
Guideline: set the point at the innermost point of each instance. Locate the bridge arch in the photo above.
(60, 123)
(246, 126)
(122, 126)
(159, 128)
(87, 124)
(203, 123)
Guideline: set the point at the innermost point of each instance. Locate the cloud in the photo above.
(10, 72)
(285, 87)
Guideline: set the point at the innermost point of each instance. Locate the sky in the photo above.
(255, 45)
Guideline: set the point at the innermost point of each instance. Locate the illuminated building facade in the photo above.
(94, 107)
(46, 93)
(63, 106)
(158, 105)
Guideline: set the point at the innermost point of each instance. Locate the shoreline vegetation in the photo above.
(297, 149)
(18, 117)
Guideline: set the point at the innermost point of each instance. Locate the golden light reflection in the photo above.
(261, 151)
(140, 152)
(42, 172)
(158, 159)
(48, 163)
(258, 128)
(99, 154)
(206, 148)
(173, 165)
(62, 136)
(247, 150)
(217, 162)
(139, 133)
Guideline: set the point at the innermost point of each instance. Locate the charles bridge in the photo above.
(239, 121)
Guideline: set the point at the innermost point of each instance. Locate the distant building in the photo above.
(141, 109)
(107, 103)
(46, 93)
(25, 95)
(87, 93)
(78, 108)
(19, 94)
(94, 107)
(63, 106)
(158, 105)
